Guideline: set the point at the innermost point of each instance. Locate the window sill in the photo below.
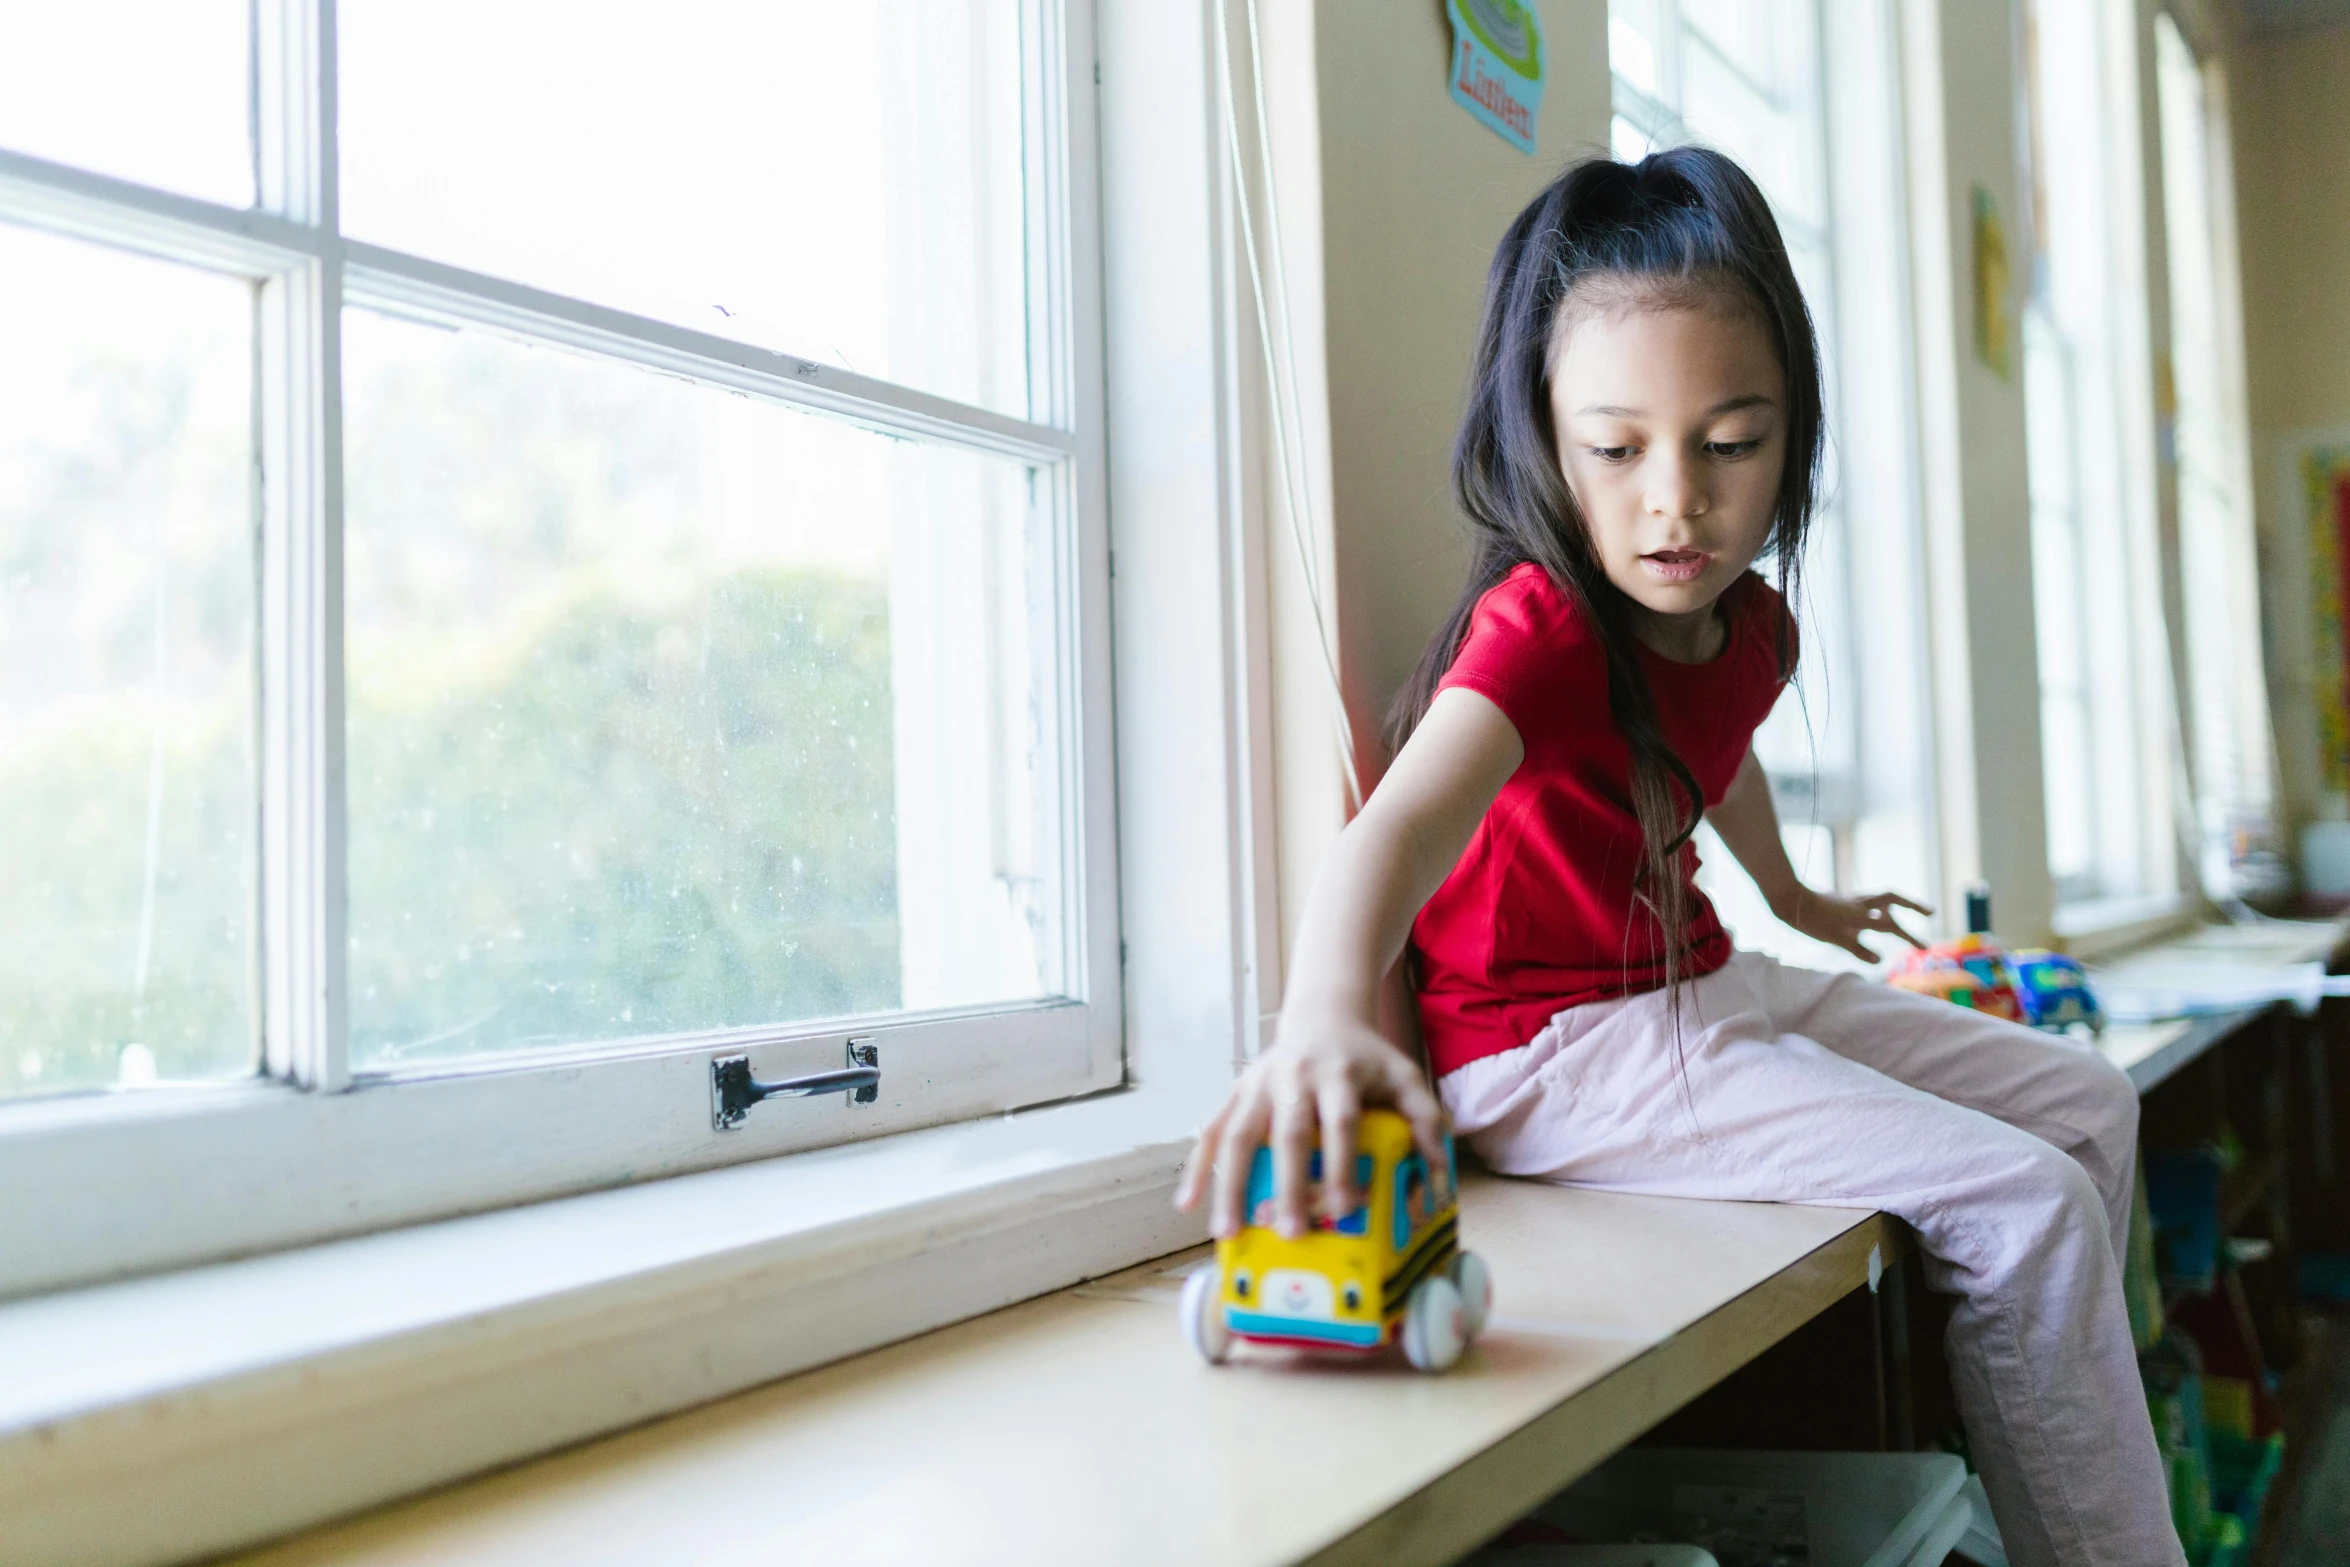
(2101, 929)
(251, 1398)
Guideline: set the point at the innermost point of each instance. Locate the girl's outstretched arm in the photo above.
(1749, 823)
(1329, 1059)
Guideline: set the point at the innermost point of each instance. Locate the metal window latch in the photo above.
(733, 1090)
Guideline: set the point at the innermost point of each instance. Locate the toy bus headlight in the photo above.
(1353, 1296)
(1240, 1283)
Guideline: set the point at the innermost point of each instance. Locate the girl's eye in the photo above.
(1612, 453)
(1734, 449)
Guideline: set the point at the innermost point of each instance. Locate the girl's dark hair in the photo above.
(1688, 225)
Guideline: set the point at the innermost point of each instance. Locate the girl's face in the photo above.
(1671, 420)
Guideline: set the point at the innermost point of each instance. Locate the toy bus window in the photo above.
(1260, 1193)
(1411, 1190)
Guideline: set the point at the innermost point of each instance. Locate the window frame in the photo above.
(143, 1180)
(2227, 735)
(2106, 377)
(1868, 796)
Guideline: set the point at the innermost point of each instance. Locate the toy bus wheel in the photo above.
(1470, 1277)
(1434, 1329)
(1203, 1324)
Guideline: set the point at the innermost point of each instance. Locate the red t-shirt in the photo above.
(1538, 915)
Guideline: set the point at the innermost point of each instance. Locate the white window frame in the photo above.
(2086, 339)
(257, 1380)
(1868, 791)
(2230, 743)
(135, 1181)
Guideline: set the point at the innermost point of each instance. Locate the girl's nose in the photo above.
(1675, 490)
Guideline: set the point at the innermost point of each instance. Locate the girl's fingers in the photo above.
(1244, 1133)
(1340, 1112)
(1293, 1148)
(1881, 915)
(1193, 1183)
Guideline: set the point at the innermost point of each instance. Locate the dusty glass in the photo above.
(127, 800)
(844, 183)
(671, 709)
(156, 91)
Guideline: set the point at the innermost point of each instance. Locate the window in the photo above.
(2104, 685)
(2226, 709)
(1754, 80)
(516, 579)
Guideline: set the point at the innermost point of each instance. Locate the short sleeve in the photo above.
(1528, 653)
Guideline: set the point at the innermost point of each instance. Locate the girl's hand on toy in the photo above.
(1840, 921)
(1310, 1087)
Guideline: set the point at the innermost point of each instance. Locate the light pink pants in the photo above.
(2010, 1152)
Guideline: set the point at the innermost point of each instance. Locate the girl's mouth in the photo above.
(1677, 565)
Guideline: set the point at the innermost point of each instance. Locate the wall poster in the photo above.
(2324, 474)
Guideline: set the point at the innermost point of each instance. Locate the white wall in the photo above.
(1412, 194)
(2291, 97)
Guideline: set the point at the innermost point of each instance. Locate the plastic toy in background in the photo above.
(1389, 1273)
(2054, 990)
(1972, 971)
(2045, 989)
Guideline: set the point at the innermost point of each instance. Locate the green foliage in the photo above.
(72, 867)
(126, 590)
(606, 778)
(638, 822)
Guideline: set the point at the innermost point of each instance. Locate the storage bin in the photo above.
(1753, 1509)
(1548, 1555)
(2182, 1195)
(2241, 1474)
(1981, 1541)
(1944, 1533)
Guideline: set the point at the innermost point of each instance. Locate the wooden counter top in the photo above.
(1080, 1428)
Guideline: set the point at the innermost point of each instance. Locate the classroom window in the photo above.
(2227, 721)
(527, 544)
(127, 861)
(2102, 653)
(1753, 80)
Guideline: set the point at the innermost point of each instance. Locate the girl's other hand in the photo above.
(1840, 921)
(1310, 1089)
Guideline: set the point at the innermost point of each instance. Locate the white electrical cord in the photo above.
(1281, 380)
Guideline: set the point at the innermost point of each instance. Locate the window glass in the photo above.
(2084, 335)
(2227, 695)
(2062, 611)
(156, 91)
(672, 709)
(1745, 77)
(126, 672)
(839, 182)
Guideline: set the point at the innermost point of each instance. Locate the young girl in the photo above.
(1644, 424)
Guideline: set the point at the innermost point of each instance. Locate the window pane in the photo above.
(126, 618)
(671, 709)
(2227, 693)
(149, 90)
(1630, 54)
(840, 182)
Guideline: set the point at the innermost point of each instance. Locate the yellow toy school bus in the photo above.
(1389, 1273)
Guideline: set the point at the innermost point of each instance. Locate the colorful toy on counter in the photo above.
(2055, 991)
(1391, 1272)
(2045, 989)
(1972, 971)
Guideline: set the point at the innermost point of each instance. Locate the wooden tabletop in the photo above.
(1080, 1428)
